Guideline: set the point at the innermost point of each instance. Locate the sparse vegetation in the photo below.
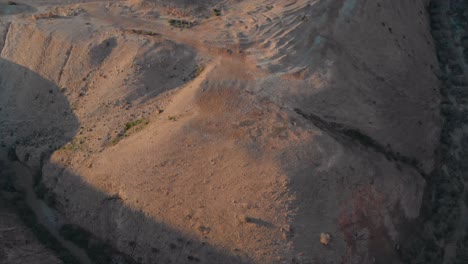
(77, 144)
(198, 70)
(172, 118)
(217, 12)
(135, 125)
(113, 197)
(143, 32)
(132, 124)
(178, 23)
(47, 15)
(174, 11)
(59, 13)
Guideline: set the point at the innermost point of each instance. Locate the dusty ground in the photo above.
(226, 131)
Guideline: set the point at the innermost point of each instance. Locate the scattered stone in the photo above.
(325, 238)
(245, 219)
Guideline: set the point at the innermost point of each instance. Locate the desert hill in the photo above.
(224, 131)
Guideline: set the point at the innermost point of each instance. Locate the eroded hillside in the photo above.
(223, 131)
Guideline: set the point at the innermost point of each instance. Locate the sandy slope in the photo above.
(237, 140)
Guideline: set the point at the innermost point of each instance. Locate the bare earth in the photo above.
(179, 133)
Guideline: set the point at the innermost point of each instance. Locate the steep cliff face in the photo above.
(233, 138)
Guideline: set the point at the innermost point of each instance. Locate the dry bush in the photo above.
(46, 15)
(181, 23)
(173, 11)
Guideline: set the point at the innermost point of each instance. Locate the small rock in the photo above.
(325, 238)
(245, 219)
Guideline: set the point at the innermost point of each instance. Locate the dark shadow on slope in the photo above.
(112, 223)
(164, 66)
(12, 8)
(350, 190)
(36, 119)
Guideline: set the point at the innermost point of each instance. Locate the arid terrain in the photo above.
(234, 131)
